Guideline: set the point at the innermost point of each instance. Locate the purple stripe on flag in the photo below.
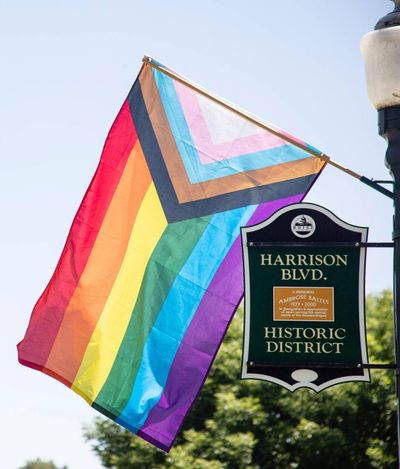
(202, 340)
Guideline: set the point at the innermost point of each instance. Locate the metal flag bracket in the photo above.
(377, 185)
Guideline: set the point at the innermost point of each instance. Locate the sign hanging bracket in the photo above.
(376, 366)
(302, 244)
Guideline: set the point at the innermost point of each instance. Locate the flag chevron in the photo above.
(203, 162)
(151, 272)
(248, 187)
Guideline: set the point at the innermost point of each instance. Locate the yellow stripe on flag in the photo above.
(110, 329)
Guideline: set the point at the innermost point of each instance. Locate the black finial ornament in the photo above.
(391, 19)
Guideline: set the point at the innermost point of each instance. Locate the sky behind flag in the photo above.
(67, 68)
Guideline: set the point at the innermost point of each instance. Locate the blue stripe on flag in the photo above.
(178, 310)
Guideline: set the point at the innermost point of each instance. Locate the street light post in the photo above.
(381, 52)
(389, 128)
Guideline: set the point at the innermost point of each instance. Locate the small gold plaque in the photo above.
(304, 304)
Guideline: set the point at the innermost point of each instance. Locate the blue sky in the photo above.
(66, 69)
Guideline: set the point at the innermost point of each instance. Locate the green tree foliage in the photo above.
(253, 424)
(39, 464)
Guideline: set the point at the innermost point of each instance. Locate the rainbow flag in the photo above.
(151, 272)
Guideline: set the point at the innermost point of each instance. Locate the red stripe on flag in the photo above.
(48, 312)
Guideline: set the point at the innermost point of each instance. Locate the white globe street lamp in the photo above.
(381, 52)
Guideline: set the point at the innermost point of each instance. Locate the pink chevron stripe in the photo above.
(210, 152)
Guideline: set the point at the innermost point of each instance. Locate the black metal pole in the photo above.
(389, 128)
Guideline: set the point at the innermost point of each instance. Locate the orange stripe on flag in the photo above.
(101, 270)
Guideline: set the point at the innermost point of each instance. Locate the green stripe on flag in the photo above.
(164, 265)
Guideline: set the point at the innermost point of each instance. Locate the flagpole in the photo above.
(255, 120)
